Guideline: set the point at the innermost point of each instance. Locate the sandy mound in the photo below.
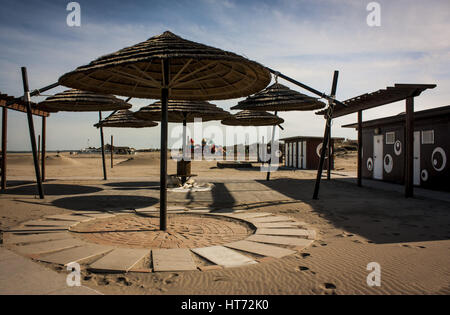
(14, 159)
(60, 160)
(140, 160)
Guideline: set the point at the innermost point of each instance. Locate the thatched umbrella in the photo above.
(278, 97)
(168, 66)
(124, 118)
(253, 118)
(83, 101)
(183, 111)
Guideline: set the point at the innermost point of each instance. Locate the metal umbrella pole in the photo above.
(102, 143)
(326, 136)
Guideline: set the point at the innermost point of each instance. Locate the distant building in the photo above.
(383, 154)
(304, 152)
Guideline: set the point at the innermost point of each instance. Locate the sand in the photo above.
(409, 238)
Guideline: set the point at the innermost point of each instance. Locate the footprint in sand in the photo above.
(124, 281)
(304, 255)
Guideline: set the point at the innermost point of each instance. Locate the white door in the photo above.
(299, 154)
(294, 153)
(416, 163)
(304, 154)
(378, 157)
(285, 154)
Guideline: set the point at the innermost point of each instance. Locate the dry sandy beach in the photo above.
(409, 238)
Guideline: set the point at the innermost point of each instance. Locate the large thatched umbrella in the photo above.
(168, 66)
(83, 101)
(278, 97)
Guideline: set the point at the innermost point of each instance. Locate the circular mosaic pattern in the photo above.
(424, 175)
(184, 231)
(369, 164)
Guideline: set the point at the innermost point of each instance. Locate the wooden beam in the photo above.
(23, 108)
(409, 162)
(4, 145)
(360, 148)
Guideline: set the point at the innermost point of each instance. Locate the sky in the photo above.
(303, 39)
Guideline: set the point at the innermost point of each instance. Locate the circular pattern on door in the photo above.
(424, 175)
(398, 147)
(388, 163)
(438, 159)
(369, 164)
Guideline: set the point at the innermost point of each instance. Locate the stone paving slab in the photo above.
(99, 215)
(269, 225)
(250, 215)
(176, 259)
(37, 229)
(68, 217)
(76, 254)
(284, 232)
(10, 238)
(275, 218)
(48, 247)
(260, 249)
(120, 260)
(19, 275)
(223, 256)
(281, 240)
(47, 223)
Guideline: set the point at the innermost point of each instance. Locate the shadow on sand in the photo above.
(52, 190)
(133, 185)
(104, 202)
(379, 216)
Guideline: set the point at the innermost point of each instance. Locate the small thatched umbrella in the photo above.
(253, 118)
(168, 66)
(183, 111)
(124, 118)
(83, 101)
(278, 97)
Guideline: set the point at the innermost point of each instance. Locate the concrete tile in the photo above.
(76, 254)
(224, 256)
(11, 238)
(49, 223)
(176, 259)
(251, 215)
(284, 232)
(269, 225)
(120, 260)
(260, 249)
(294, 241)
(274, 218)
(68, 217)
(48, 247)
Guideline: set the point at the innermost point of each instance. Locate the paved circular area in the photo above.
(184, 231)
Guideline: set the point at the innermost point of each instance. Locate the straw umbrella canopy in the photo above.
(82, 101)
(278, 97)
(183, 111)
(124, 118)
(253, 118)
(168, 66)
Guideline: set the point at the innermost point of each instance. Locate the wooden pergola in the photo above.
(17, 104)
(391, 94)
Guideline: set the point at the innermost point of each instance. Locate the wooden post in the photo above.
(112, 151)
(26, 92)
(102, 143)
(39, 147)
(271, 150)
(4, 145)
(326, 136)
(164, 134)
(330, 143)
(184, 138)
(360, 148)
(44, 151)
(409, 169)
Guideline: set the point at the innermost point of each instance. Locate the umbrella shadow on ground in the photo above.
(53, 189)
(104, 202)
(133, 185)
(379, 216)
